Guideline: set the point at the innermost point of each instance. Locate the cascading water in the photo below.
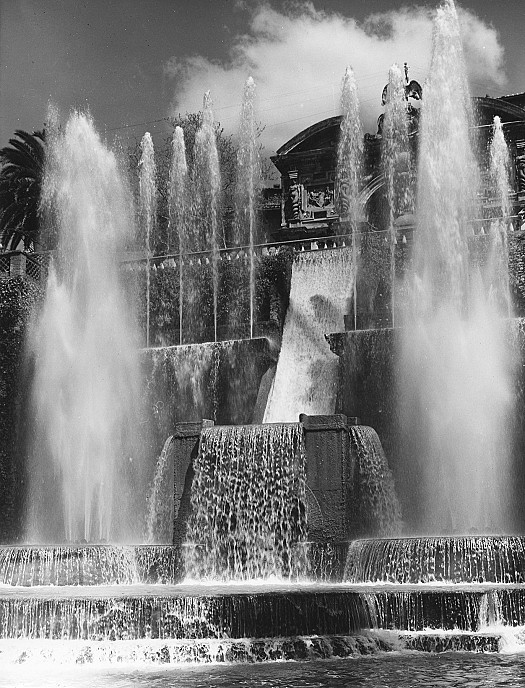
(87, 565)
(455, 376)
(249, 498)
(248, 504)
(159, 517)
(306, 376)
(207, 185)
(248, 185)
(377, 510)
(85, 478)
(179, 212)
(441, 559)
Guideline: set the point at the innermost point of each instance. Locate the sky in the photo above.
(134, 63)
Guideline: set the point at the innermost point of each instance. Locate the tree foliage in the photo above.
(21, 174)
(227, 152)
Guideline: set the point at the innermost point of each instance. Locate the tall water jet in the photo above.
(349, 165)
(498, 259)
(455, 373)
(207, 182)
(395, 160)
(179, 211)
(248, 185)
(84, 474)
(148, 209)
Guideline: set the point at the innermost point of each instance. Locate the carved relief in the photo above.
(520, 173)
(295, 192)
(343, 197)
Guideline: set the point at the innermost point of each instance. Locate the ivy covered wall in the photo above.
(272, 287)
(17, 299)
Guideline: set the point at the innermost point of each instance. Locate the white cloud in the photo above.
(298, 56)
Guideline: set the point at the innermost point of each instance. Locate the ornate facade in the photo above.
(307, 165)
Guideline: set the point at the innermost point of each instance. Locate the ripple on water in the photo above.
(407, 670)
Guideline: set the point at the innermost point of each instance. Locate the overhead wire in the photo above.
(284, 106)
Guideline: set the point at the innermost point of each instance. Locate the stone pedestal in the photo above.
(330, 476)
(185, 447)
(17, 266)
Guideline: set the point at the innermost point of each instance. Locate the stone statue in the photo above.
(294, 199)
(520, 172)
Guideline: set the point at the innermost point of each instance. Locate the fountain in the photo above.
(85, 347)
(207, 187)
(178, 211)
(247, 187)
(278, 539)
(455, 381)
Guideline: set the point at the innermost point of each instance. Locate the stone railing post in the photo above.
(17, 265)
(330, 474)
(186, 438)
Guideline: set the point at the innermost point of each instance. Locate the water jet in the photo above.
(280, 539)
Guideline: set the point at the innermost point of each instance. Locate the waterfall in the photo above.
(472, 559)
(88, 565)
(376, 508)
(248, 504)
(160, 502)
(306, 376)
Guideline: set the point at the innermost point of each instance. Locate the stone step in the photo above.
(251, 611)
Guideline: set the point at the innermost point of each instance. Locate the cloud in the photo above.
(298, 56)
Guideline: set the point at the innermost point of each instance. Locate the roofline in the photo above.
(512, 95)
(306, 133)
(512, 110)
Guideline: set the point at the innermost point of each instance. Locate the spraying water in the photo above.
(248, 185)
(306, 376)
(207, 182)
(86, 387)
(148, 208)
(395, 159)
(455, 378)
(498, 259)
(349, 168)
(179, 210)
(349, 151)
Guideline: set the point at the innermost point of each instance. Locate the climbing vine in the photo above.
(18, 297)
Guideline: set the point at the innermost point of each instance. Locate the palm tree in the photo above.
(21, 173)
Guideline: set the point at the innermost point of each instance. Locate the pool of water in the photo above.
(402, 670)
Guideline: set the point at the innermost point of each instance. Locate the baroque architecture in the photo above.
(307, 164)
